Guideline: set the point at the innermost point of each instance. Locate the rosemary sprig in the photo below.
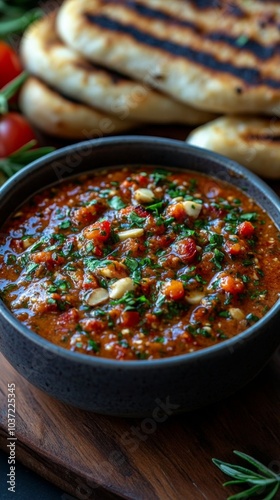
(262, 481)
(20, 158)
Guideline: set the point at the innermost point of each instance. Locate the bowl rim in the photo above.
(94, 361)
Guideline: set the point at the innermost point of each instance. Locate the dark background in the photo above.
(29, 486)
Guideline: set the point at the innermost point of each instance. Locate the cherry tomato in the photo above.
(9, 64)
(15, 132)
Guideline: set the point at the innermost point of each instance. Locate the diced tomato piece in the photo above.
(98, 252)
(246, 229)
(126, 188)
(151, 319)
(90, 282)
(126, 211)
(85, 215)
(146, 286)
(199, 314)
(141, 212)
(127, 184)
(174, 290)
(161, 242)
(51, 259)
(132, 247)
(143, 180)
(56, 296)
(17, 245)
(186, 250)
(232, 285)
(130, 319)
(152, 227)
(69, 319)
(93, 325)
(215, 212)
(171, 261)
(98, 232)
(177, 211)
(105, 229)
(233, 248)
(236, 247)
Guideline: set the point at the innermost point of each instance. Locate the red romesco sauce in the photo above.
(139, 264)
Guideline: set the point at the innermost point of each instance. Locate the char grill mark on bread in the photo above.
(259, 50)
(252, 141)
(45, 56)
(213, 60)
(250, 76)
(261, 137)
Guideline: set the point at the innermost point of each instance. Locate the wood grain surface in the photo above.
(96, 457)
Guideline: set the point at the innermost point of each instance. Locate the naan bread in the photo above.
(45, 56)
(56, 115)
(253, 142)
(218, 56)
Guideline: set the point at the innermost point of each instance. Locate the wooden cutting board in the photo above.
(96, 457)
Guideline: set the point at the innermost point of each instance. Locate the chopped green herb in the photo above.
(116, 203)
(130, 302)
(11, 259)
(193, 185)
(252, 318)
(92, 263)
(199, 331)
(199, 279)
(124, 343)
(218, 258)
(32, 268)
(216, 239)
(65, 224)
(159, 340)
(156, 207)
(93, 346)
(241, 40)
(134, 268)
(224, 314)
(257, 293)
(132, 264)
(159, 175)
(135, 220)
(228, 299)
(250, 216)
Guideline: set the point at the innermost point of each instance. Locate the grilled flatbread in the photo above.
(219, 56)
(46, 57)
(56, 115)
(253, 142)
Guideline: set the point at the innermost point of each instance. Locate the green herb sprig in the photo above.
(260, 479)
(22, 157)
(15, 17)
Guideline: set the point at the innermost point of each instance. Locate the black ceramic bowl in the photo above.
(137, 388)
